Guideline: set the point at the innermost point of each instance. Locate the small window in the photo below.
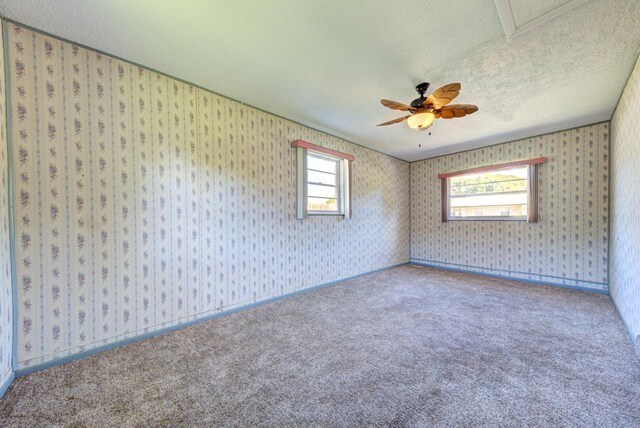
(324, 184)
(323, 181)
(499, 192)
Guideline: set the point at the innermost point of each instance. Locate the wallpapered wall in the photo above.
(142, 202)
(625, 206)
(569, 246)
(6, 295)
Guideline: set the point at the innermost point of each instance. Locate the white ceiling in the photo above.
(526, 10)
(327, 63)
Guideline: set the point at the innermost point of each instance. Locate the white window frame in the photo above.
(343, 183)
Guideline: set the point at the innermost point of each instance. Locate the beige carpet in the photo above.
(409, 346)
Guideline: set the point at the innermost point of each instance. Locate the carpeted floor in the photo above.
(409, 346)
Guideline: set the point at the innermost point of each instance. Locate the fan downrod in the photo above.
(421, 88)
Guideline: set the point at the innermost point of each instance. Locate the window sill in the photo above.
(487, 219)
(317, 214)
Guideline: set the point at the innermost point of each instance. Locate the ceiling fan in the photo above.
(424, 110)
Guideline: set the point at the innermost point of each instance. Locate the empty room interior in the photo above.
(320, 213)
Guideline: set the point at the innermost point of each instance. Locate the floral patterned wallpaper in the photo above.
(569, 246)
(6, 293)
(625, 206)
(142, 202)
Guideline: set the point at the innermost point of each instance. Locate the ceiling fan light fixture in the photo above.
(421, 120)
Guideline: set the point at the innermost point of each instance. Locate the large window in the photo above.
(498, 192)
(323, 181)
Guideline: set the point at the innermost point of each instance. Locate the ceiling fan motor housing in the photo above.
(418, 102)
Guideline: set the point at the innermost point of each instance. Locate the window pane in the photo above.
(314, 190)
(321, 177)
(500, 193)
(322, 204)
(323, 183)
(322, 164)
(510, 180)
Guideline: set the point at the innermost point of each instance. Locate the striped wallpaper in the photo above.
(6, 294)
(142, 202)
(625, 206)
(569, 246)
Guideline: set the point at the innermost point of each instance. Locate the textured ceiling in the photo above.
(327, 63)
(526, 10)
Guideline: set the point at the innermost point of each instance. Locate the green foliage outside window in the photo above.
(487, 183)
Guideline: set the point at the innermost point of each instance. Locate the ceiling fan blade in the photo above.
(443, 96)
(396, 105)
(398, 120)
(457, 110)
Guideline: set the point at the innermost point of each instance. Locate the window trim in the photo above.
(486, 168)
(316, 148)
(344, 176)
(532, 190)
